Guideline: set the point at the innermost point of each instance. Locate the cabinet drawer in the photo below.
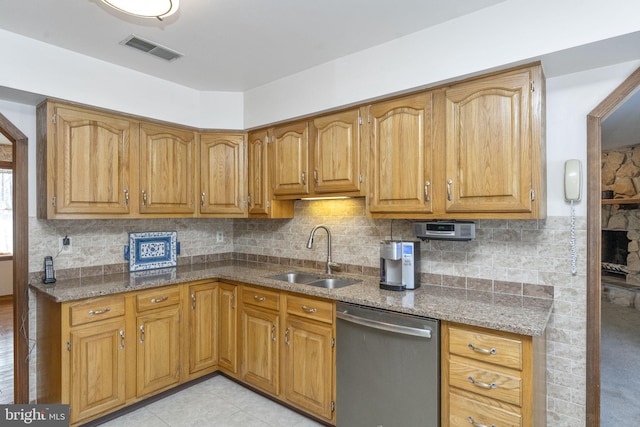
(156, 298)
(321, 311)
(467, 412)
(486, 347)
(486, 382)
(261, 298)
(96, 309)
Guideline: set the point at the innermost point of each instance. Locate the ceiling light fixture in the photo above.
(145, 8)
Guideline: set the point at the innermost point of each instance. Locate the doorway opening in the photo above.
(19, 144)
(6, 271)
(594, 240)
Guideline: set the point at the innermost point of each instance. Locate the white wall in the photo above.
(6, 278)
(570, 99)
(32, 66)
(510, 32)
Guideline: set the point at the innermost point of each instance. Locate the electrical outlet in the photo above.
(64, 245)
(219, 237)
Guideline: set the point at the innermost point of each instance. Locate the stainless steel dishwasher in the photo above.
(387, 369)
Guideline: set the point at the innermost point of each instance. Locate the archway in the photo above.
(20, 260)
(594, 183)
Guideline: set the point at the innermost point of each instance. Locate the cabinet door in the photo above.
(92, 158)
(203, 327)
(97, 369)
(222, 175)
(167, 170)
(488, 144)
(401, 155)
(228, 316)
(309, 366)
(336, 149)
(289, 160)
(158, 355)
(258, 173)
(260, 356)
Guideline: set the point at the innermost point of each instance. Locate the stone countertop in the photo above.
(511, 313)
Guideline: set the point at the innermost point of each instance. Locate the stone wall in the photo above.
(621, 174)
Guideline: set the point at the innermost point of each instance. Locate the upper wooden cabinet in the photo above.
(319, 158)
(223, 175)
(84, 161)
(338, 166)
(289, 160)
(167, 170)
(401, 155)
(494, 147)
(472, 150)
(259, 197)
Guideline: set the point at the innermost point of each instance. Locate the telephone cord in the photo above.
(572, 241)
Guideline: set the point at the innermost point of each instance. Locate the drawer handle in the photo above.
(157, 300)
(309, 310)
(475, 424)
(259, 299)
(482, 350)
(94, 312)
(483, 385)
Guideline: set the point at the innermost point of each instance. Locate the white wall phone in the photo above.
(573, 193)
(572, 180)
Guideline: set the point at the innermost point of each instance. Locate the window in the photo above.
(6, 211)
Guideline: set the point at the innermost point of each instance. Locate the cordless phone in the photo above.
(49, 274)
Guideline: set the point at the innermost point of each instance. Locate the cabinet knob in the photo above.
(304, 178)
(144, 197)
(126, 197)
(426, 191)
(449, 197)
(202, 199)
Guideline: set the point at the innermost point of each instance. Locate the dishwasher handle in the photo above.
(400, 329)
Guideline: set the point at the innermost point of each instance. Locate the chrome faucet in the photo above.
(330, 264)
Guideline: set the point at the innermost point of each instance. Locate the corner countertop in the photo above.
(511, 313)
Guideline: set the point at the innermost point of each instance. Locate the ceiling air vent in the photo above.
(151, 48)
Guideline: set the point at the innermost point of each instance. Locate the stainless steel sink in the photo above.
(333, 283)
(317, 280)
(296, 277)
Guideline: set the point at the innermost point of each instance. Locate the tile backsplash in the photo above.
(506, 255)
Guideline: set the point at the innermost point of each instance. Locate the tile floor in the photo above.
(216, 402)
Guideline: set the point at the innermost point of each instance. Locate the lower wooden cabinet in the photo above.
(203, 327)
(108, 352)
(287, 348)
(158, 353)
(492, 378)
(260, 332)
(308, 356)
(228, 328)
(97, 362)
